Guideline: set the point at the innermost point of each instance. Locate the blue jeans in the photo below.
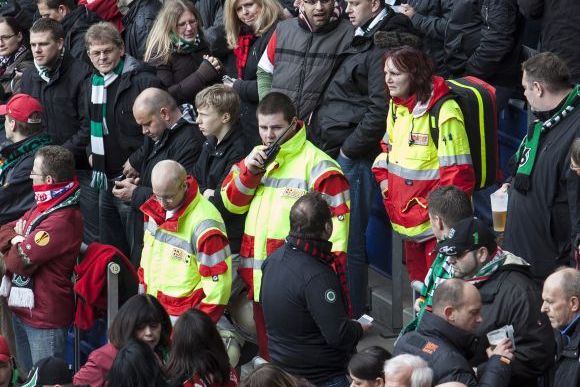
(34, 344)
(363, 190)
(337, 381)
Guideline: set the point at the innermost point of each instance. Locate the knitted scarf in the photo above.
(7, 60)
(321, 249)
(183, 46)
(46, 72)
(14, 152)
(242, 51)
(487, 270)
(528, 150)
(19, 288)
(440, 271)
(98, 116)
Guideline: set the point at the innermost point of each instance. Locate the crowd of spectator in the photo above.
(226, 153)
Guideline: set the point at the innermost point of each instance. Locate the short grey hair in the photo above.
(418, 369)
(569, 281)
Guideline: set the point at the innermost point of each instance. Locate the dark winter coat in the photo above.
(186, 74)
(511, 297)
(138, 22)
(211, 169)
(212, 16)
(560, 29)
(65, 112)
(309, 332)
(247, 88)
(446, 349)
(431, 18)
(353, 110)
(10, 80)
(75, 25)
(543, 223)
(483, 39)
(182, 143)
(567, 367)
(125, 135)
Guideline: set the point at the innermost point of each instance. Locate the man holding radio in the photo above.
(269, 181)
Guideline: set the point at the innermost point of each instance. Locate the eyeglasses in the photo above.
(314, 2)
(191, 23)
(169, 198)
(97, 54)
(4, 38)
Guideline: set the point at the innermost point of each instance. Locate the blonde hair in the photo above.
(222, 98)
(271, 12)
(159, 45)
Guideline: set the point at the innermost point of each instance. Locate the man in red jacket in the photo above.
(39, 252)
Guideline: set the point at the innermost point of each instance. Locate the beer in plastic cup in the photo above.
(499, 202)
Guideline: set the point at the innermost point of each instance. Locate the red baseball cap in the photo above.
(20, 107)
(4, 350)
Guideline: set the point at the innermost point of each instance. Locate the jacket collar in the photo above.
(435, 326)
(154, 210)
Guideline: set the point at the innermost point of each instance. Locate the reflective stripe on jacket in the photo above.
(186, 260)
(298, 168)
(414, 166)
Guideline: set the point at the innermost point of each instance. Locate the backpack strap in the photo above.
(434, 117)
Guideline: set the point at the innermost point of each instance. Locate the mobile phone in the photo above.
(365, 319)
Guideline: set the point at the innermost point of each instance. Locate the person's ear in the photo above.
(538, 88)
(226, 118)
(375, 5)
(379, 382)
(481, 254)
(49, 179)
(60, 43)
(164, 114)
(449, 313)
(574, 304)
(62, 9)
(328, 228)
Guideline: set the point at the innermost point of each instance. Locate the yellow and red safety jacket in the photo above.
(186, 260)
(267, 198)
(414, 166)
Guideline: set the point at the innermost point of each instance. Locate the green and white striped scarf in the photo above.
(98, 115)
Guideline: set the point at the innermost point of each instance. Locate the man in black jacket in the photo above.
(561, 296)
(299, 285)
(446, 339)
(351, 119)
(59, 81)
(170, 133)
(117, 81)
(75, 21)
(509, 296)
(543, 223)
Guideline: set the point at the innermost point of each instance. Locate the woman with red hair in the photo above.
(411, 164)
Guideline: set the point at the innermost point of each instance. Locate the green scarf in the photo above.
(528, 150)
(440, 271)
(487, 270)
(98, 115)
(185, 46)
(14, 152)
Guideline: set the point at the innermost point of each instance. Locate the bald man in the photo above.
(169, 133)
(444, 339)
(186, 260)
(561, 303)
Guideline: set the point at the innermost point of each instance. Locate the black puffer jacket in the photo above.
(511, 297)
(431, 18)
(446, 349)
(484, 39)
(182, 143)
(138, 22)
(125, 135)
(247, 88)
(211, 169)
(560, 29)
(65, 113)
(353, 109)
(75, 25)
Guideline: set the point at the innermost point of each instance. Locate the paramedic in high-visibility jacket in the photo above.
(186, 260)
(266, 188)
(411, 164)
